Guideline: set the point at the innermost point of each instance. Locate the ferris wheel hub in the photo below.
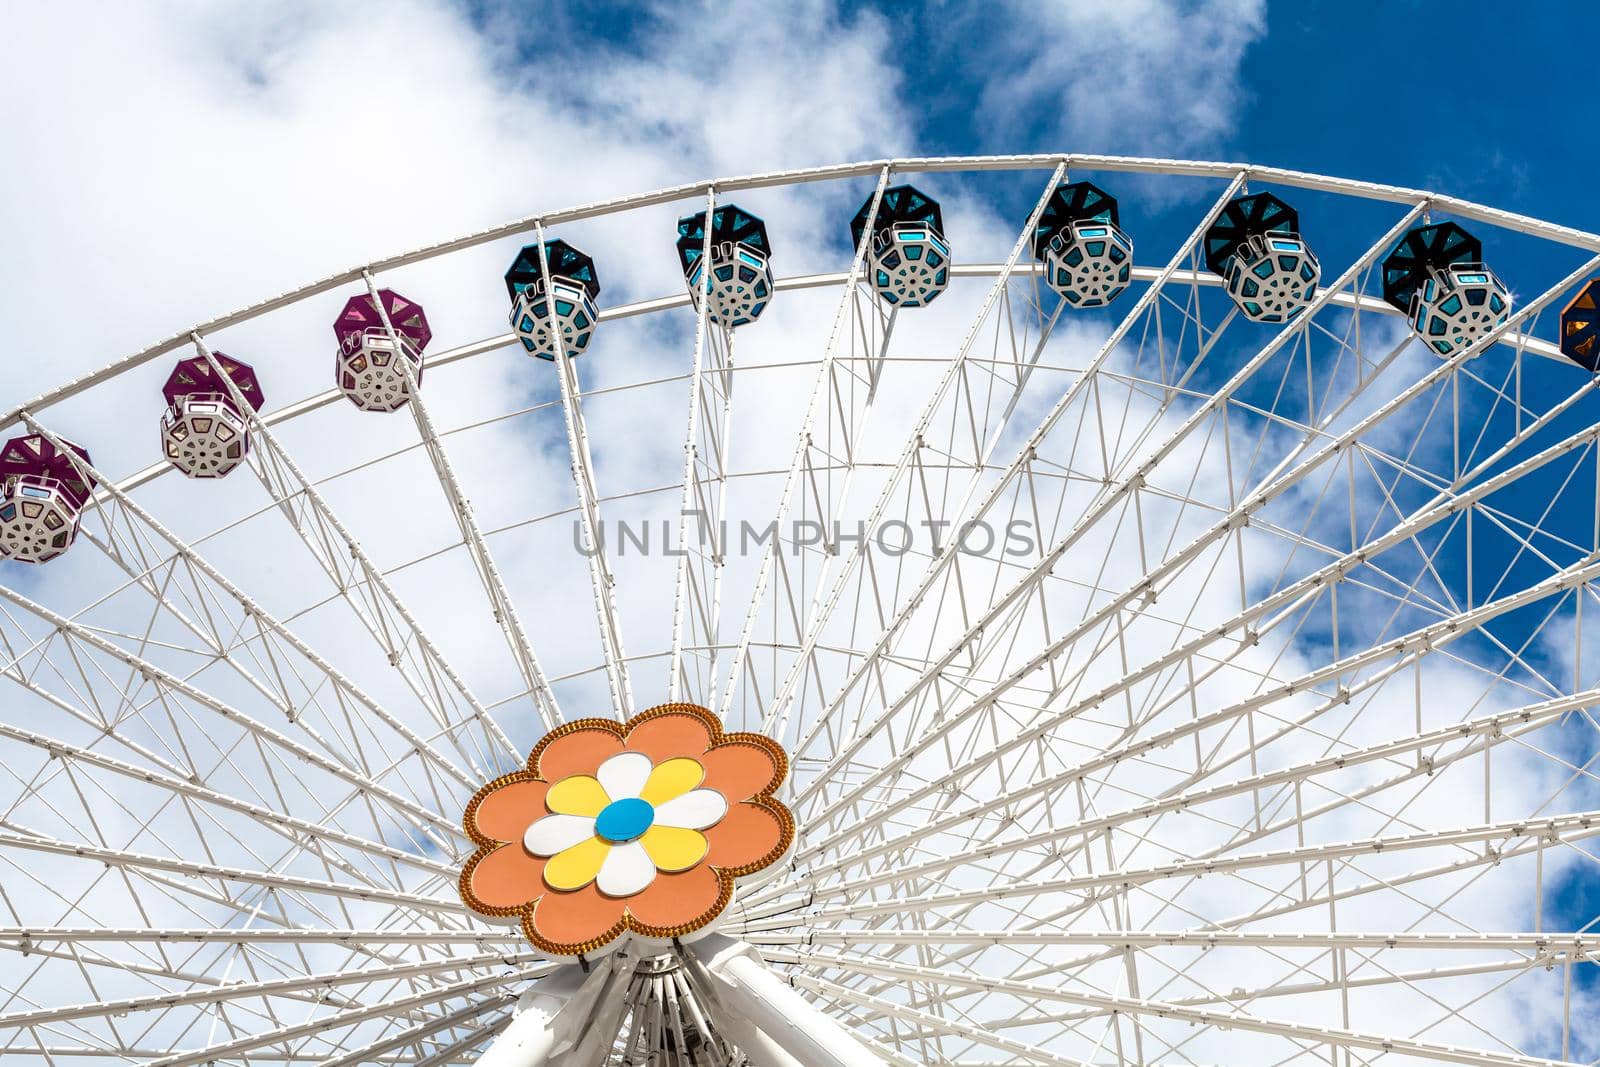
(618, 833)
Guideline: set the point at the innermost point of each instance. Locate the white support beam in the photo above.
(25, 938)
(750, 1004)
(226, 1050)
(1543, 945)
(269, 628)
(927, 1022)
(1109, 498)
(1578, 826)
(1245, 627)
(860, 733)
(372, 599)
(413, 1036)
(457, 1049)
(294, 828)
(151, 673)
(1285, 475)
(433, 908)
(1485, 730)
(838, 393)
(600, 574)
(265, 988)
(820, 605)
(697, 601)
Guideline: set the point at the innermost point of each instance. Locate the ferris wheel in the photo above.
(1054, 635)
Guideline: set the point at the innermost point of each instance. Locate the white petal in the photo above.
(623, 775)
(694, 810)
(626, 871)
(553, 833)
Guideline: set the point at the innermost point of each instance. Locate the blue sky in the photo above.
(1475, 104)
(1472, 105)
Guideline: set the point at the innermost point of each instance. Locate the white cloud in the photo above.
(1135, 77)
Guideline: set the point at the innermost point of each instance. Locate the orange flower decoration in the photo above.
(614, 828)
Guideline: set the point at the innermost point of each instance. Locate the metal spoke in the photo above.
(827, 597)
(840, 404)
(600, 574)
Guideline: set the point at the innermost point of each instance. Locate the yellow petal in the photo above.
(672, 779)
(578, 794)
(577, 866)
(672, 849)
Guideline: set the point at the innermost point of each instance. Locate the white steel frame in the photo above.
(1017, 783)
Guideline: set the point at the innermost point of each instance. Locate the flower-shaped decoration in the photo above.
(614, 828)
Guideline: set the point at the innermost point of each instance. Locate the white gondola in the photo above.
(1089, 263)
(203, 435)
(740, 286)
(574, 319)
(910, 264)
(38, 519)
(370, 372)
(1458, 304)
(1272, 277)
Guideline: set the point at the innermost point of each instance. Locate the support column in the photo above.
(567, 1018)
(757, 1010)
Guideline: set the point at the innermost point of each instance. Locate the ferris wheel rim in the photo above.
(527, 224)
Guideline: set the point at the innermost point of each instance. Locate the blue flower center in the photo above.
(624, 820)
